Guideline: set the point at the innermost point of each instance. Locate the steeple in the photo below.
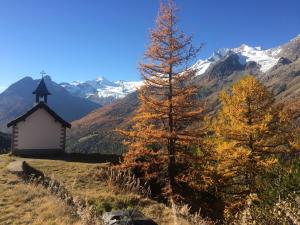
(41, 92)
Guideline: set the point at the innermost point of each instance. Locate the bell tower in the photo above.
(41, 92)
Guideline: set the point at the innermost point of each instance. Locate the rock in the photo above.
(284, 61)
(279, 88)
(294, 74)
(226, 67)
(22, 168)
(126, 217)
(16, 167)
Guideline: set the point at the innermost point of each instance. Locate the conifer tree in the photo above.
(168, 101)
(252, 132)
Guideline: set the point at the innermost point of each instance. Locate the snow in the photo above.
(2, 89)
(201, 66)
(295, 38)
(102, 88)
(77, 82)
(124, 88)
(265, 58)
(99, 78)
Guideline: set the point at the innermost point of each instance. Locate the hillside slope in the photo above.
(95, 132)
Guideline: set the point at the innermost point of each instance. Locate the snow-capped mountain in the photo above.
(218, 72)
(266, 59)
(104, 91)
(101, 90)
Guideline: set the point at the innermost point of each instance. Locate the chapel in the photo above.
(39, 131)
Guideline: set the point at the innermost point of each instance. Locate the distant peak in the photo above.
(26, 78)
(245, 47)
(76, 82)
(297, 38)
(47, 77)
(100, 78)
(219, 54)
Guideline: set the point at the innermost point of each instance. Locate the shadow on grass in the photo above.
(76, 157)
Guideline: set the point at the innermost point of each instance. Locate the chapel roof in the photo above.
(41, 89)
(40, 105)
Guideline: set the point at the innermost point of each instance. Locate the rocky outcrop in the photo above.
(225, 67)
(123, 217)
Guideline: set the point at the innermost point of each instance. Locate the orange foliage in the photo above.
(168, 103)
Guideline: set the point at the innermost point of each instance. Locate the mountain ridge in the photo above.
(221, 68)
(282, 78)
(101, 90)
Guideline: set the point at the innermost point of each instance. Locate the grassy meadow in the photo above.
(22, 203)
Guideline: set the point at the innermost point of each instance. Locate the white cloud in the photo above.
(2, 89)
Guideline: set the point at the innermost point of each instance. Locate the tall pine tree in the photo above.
(163, 127)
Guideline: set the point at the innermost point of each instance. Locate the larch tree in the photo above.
(252, 132)
(164, 127)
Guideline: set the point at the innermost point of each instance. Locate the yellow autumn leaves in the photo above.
(251, 131)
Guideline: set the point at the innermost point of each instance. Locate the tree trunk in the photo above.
(171, 144)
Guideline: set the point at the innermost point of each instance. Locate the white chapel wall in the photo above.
(39, 131)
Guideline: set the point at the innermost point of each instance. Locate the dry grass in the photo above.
(123, 181)
(128, 183)
(283, 212)
(27, 204)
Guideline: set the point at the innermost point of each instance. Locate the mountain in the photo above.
(101, 90)
(18, 98)
(278, 68)
(95, 132)
(265, 59)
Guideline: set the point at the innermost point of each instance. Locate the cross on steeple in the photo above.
(43, 73)
(41, 92)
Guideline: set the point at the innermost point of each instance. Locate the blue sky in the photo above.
(83, 39)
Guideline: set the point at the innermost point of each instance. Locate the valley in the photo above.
(96, 131)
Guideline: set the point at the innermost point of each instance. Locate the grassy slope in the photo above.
(38, 207)
(26, 204)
